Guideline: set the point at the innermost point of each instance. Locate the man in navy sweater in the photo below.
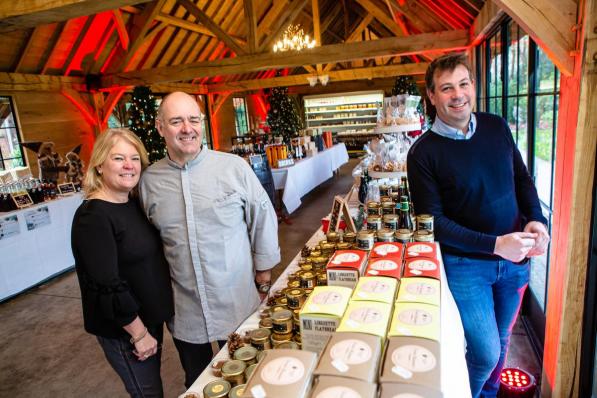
(467, 172)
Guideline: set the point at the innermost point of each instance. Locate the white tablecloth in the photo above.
(32, 256)
(454, 372)
(308, 173)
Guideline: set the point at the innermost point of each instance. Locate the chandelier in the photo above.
(294, 39)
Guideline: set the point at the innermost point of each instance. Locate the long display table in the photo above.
(454, 373)
(308, 173)
(35, 244)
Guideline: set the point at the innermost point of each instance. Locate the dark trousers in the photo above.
(194, 358)
(141, 378)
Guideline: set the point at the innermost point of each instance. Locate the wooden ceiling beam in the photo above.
(410, 10)
(287, 17)
(488, 17)
(382, 16)
(18, 15)
(316, 31)
(342, 75)
(123, 34)
(251, 19)
(265, 25)
(25, 51)
(550, 23)
(30, 82)
(211, 25)
(415, 44)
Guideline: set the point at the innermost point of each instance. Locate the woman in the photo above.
(123, 274)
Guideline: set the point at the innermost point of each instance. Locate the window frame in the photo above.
(19, 136)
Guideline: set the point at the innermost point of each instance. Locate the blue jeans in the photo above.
(488, 294)
(141, 378)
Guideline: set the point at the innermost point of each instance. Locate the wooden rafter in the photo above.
(550, 24)
(121, 29)
(211, 25)
(251, 19)
(415, 44)
(488, 17)
(265, 25)
(344, 75)
(55, 47)
(31, 82)
(26, 50)
(66, 65)
(411, 11)
(316, 31)
(356, 32)
(17, 15)
(287, 17)
(382, 16)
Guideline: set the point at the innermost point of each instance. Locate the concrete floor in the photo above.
(44, 351)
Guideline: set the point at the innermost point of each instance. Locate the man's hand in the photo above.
(515, 246)
(542, 239)
(263, 277)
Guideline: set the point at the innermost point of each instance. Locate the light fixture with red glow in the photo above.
(516, 383)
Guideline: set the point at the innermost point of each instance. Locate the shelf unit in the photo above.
(349, 115)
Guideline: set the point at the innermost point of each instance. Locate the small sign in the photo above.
(335, 214)
(285, 162)
(67, 188)
(37, 218)
(21, 199)
(348, 218)
(9, 226)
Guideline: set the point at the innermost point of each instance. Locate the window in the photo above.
(519, 82)
(11, 155)
(240, 116)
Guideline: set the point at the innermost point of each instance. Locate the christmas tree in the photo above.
(283, 117)
(407, 85)
(142, 123)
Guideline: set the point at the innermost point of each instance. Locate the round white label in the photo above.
(415, 317)
(346, 258)
(382, 250)
(351, 352)
(422, 265)
(384, 265)
(420, 248)
(338, 392)
(283, 371)
(414, 358)
(326, 298)
(366, 315)
(420, 288)
(375, 287)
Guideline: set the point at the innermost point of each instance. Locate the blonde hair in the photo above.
(104, 143)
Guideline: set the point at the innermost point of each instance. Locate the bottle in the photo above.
(404, 219)
(363, 187)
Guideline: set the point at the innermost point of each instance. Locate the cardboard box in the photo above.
(427, 267)
(340, 387)
(399, 390)
(419, 290)
(345, 267)
(321, 314)
(282, 373)
(387, 249)
(415, 319)
(352, 355)
(366, 317)
(420, 249)
(412, 360)
(375, 288)
(389, 267)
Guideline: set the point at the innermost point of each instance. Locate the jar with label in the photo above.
(333, 237)
(387, 208)
(260, 339)
(278, 307)
(282, 322)
(247, 354)
(395, 195)
(216, 389)
(295, 298)
(266, 323)
(319, 263)
(404, 235)
(343, 246)
(322, 279)
(279, 338)
(384, 199)
(295, 282)
(384, 190)
(238, 391)
(390, 221)
(425, 222)
(423, 235)
(328, 249)
(385, 235)
(372, 208)
(233, 371)
(307, 279)
(282, 300)
(292, 277)
(306, 267)
(349, 237)
(365, 240)
(373, 223)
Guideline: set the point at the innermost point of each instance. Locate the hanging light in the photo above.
(295, 39)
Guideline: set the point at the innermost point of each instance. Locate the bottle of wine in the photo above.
(363, 187)
(404, 220)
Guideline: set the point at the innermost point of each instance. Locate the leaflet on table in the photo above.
(9, 226)
(37, 218)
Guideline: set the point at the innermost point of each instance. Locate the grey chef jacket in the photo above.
(217, 225)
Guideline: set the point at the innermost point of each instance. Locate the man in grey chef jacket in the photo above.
(219, 230)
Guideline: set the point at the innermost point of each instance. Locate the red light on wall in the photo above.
(516, 383)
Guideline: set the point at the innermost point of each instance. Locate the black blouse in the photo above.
(121, 267)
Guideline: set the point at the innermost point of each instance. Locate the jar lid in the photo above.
(246, 353)
(404, 233)
(238, 391)
(425, 217)
(234, 367)
(385, 232)
(372, 204)
(290, 345)
(389, 203)
(295, 293)
(266, 323)
(373, 218)
(307, 275)
(216, 389)
(260, 334)
(343, 245)
(282, 316)
(390, 217)
(365, 234)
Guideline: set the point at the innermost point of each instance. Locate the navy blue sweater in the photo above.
(476, 189)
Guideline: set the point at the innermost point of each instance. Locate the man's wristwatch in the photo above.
(263, 287)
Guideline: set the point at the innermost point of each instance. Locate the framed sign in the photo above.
(335, 214)
(348, 218)
(21, 199)
(66, 188)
